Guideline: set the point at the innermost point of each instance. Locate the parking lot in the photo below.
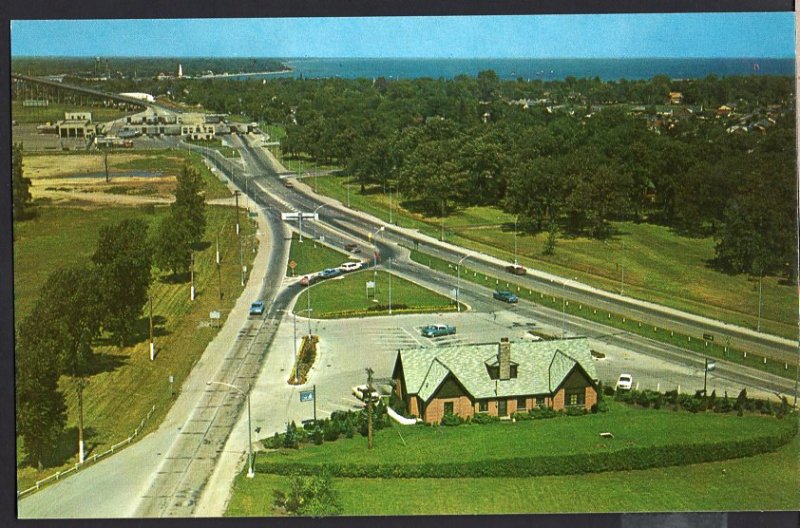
(347, 347)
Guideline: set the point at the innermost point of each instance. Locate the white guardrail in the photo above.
(94, 458)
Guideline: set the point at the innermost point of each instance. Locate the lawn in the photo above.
(215, 144)
(648, 253)
(632, 427)
(127, 383)
(347, 296)
(311, 256)
(55, 112)
(737, 484)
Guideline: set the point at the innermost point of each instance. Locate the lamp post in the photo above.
(458, 280)
(516, 218)
(374, 246)
(390, 203)
(390, 286)
(316, 235)
(563, 309)
(250, 472)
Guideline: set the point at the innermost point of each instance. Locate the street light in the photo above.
(316, 234)
(250, 472)
(458, 279)
(374, 246)
(516, 218)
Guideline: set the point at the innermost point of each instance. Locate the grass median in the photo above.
(660, 265)
(695, 344)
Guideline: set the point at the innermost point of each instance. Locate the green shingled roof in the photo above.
(542, 367)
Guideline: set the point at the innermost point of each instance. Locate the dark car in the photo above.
(505, 296)
(257, 308)
(329, 272)
(352, 248)
(516, 269)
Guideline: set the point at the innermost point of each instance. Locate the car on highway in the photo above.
(505, 296)
(352, 248)
(350, 266)
(257, 308)
(329, 272)
(288, 185)
(516, 269)
(361, 391)
(309, 279)
(625, 382)
(436, 330)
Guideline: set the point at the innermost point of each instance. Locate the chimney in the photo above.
(504, 358)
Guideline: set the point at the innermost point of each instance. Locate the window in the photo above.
(575, 396)
(540, 401)
(483, 406)
(513, 372)
(448, 407)
(522, 404)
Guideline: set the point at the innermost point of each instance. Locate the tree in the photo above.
(171, 245)
(123, 262)
(40, 407)
(20, 185)
(189, 205)
(310, 496)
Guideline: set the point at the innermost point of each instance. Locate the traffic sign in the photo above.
(306, 396)
(293, 264)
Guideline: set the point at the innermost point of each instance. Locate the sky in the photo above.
(761, 35)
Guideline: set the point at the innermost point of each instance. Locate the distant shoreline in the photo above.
(251, 74)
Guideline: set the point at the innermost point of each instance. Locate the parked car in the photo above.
(625, 382)
(360, 392)
(516, 269)
(329, 272)
(505, 296)
(350, 266)
(436, 330)
(257, 308)
(352, 248)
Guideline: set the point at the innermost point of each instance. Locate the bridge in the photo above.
(53, 87)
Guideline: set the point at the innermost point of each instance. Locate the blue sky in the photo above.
(582, 36)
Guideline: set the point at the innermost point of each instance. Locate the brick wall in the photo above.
(462, 406)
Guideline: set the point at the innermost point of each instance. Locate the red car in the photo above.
(516, 269)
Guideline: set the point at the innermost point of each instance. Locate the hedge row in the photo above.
(625, 459)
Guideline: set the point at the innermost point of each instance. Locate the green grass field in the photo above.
(55, 112)
(310, 256)
(347, 296)
(127, 383)
(737, 484)
(216, 144)
(660, 265)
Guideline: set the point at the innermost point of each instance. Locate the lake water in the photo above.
(544, 69)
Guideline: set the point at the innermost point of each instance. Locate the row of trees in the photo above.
(80, 303)
(446, 144)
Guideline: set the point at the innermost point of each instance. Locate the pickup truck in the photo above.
(436, 330)
(516, 269)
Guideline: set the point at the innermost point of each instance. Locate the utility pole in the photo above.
(369, 408)
(390, 204)
(105, 163)
(81, 451)
(236, 202)
(191, 292)
(516, 218)
(152, 346)
(241, 259)
(563, 310)
(622, 280)
(758, 323)
(390, 286)
(348, 195)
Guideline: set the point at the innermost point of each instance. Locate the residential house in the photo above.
(495, 378)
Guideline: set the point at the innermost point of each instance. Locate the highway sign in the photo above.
(306, 396)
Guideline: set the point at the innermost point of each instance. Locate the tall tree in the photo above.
(171, 244)
(123, 262)
(41, 412)
(20, 185)
(189, 205)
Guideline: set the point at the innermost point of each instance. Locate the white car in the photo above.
(360, 392)
(350, 266)
(625, 382)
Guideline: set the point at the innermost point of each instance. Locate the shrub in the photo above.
(543, 412)
(600, 406)
(575, 410)
(330, 431)
(723, 406)
(484, 418)
(608, 390)
(450, 419)
(290, 439)
(316, 436)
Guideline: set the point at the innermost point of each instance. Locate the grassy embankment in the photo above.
(215, 144)
(728, 484)
(127, 383)
(660, 265)
(55, 112)
(346, 296)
